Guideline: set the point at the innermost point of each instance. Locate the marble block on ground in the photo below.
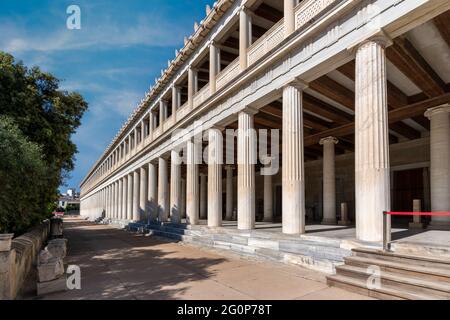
(53, 286)
(51, 270)
(57, 248)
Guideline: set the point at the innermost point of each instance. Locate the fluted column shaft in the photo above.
(289, 17)
(116, 201)
(175, 187)
(245, 36)
(293, 175)
(119, 200)
(203, 196)
(163, 192)
(124, 197)
(183, 198)
(372, 185)
(136, 194)
(175, 99)
(329, 180)
(268, 198)
(109, 212)
(192, 86)
(130, 197)
(192, 188)
(215, 160)
(143, 193)
(246, 170)
(229, 193)
(152, 192)
(214, 66)
(440, 161)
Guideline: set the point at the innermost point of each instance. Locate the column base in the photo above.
(267, 219)
(329, 222)
(439, 225)
(344, 223)
(415, 225)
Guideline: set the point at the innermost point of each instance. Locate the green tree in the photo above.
(23, 174)
(46, 115)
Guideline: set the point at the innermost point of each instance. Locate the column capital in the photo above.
(193, 69)
(216, 127)
(379, 37)
(296, 83)
(249, 110)
(445, 108)
(328, 140)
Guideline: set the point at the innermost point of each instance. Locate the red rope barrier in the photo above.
(418, 213)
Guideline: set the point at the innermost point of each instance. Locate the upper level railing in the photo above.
(267, 42)
(228, 74)
(305, 13)
(201, 96)
(308, 10)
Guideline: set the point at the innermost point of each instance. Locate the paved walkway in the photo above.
(120, 265)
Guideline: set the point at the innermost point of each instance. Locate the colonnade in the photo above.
(146, 194)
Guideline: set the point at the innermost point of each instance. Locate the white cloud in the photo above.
(103, 35)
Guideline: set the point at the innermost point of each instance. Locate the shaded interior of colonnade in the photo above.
(418, 74)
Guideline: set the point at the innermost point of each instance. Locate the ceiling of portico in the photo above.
(418, 69)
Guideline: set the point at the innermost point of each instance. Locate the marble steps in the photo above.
(424, 261)
(429, 273)
(323, 256)
(384, 292)
(402, 276)
(409, 284)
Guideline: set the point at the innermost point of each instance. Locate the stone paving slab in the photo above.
(120, 265)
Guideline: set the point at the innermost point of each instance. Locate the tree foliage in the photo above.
(47, 117)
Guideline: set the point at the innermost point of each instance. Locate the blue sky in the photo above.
(121, 47)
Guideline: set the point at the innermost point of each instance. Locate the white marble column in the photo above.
(229, 193)
(116, 201)
(203, 196)
(108, 211)
(192, 86)
(372, 182)
(124, 197)
(329, 180)
(192, 188)
(143, 193)
(268, 199)
(176, 99)
(162, 111)
(113, 200)
(163, 192)
(246, 169)
(119, 203)
(440, 162)
(152, 192)
(183, 198)
(214, 66)
(289, 17)
(245, 36)
(136, 194)
(293, 174)
(130, 197)
(215, 160)
(175, 187)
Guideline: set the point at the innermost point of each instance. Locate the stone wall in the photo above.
(17, 263)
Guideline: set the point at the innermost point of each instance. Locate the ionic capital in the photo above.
(328, 140)
(445, 108)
